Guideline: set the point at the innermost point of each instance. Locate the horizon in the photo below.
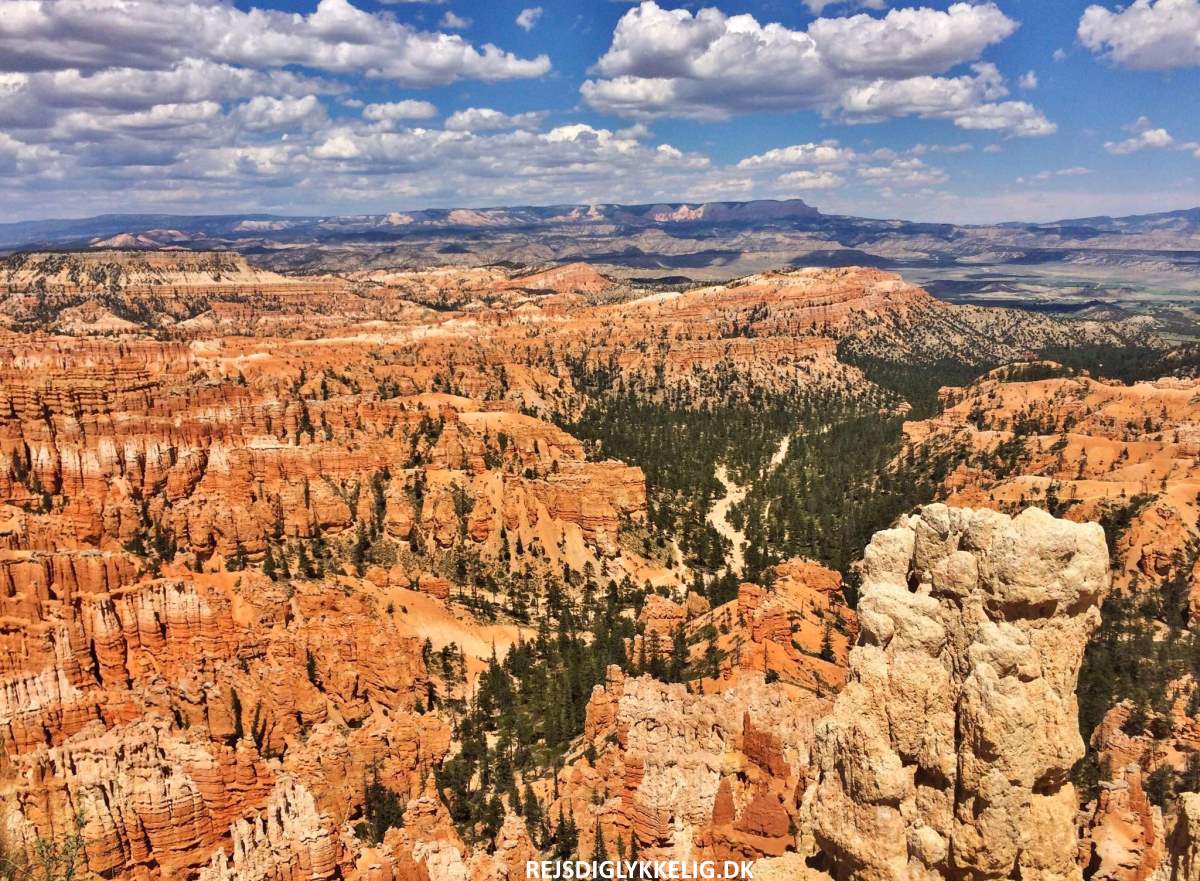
(548, 205)
(1003, 111)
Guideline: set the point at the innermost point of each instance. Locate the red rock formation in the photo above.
(1124, 837)
(797, 629)
(688, 776)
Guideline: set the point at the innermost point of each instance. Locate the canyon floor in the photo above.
(393, 573)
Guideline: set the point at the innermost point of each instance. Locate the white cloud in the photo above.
(1042, 176)
(817, 7)
(162, 121)
(903, 173)
(810, 180)
(1017, 118)
(1028, 80)
(479, 119)
(1146, 35)
(969, 101)
(827, 154)
(337, 37)
(922, 149)
(910, 42)
(1059, 55)
(17, 157)
(816, 166)
(593, 164)
(120, 96)
(453, 22)
(708, 65)
(639, 131)
(32, 100)
(393, 111)
(264, 113)
(1145, 138)
(527, 18)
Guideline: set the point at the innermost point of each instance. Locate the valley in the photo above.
(422, 572)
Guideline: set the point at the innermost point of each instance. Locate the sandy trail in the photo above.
(718, 515)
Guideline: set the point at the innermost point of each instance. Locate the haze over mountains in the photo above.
(1100, 265)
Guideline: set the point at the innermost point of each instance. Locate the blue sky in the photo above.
(1004, 110)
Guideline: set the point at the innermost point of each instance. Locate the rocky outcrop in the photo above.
(795, 628)
(566, 279)
(289, 841)
(690, 776)
(1125, 839)
(947, 754)
(1088, 449)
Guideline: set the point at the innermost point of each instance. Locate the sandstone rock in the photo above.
(797, 628)
(947, 754)
(436, 587)
(1184, 858)
(689, 775)
(1125, 839)
(662, 617)
(290, 841)
(1105, 447)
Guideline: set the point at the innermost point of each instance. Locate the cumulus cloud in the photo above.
(337, 37)
(818, 7)
(827, 154)
(1154, 138)
(346, 163)
(116, 95)
(527, 18)
(264, 113)
(576, 158)
(969, 101)
(17, 157)
(480, 119)
(810, 180)
(1145, 137)
(453, 22)
(708, 65)
(817, 166)
(922, 149)
(31, 99)
(909, 42)
(1146, 35)
(162, 121)
(393, 111)
(910, 172)
(1028, 80)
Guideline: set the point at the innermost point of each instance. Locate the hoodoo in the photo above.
(948, 753)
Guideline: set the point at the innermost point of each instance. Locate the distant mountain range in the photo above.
(157, 230)
(172, 228)
(1091, 263)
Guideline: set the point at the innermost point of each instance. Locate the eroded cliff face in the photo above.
(679, 775)
(1089, 448)
(948, 753)
(214, 720)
